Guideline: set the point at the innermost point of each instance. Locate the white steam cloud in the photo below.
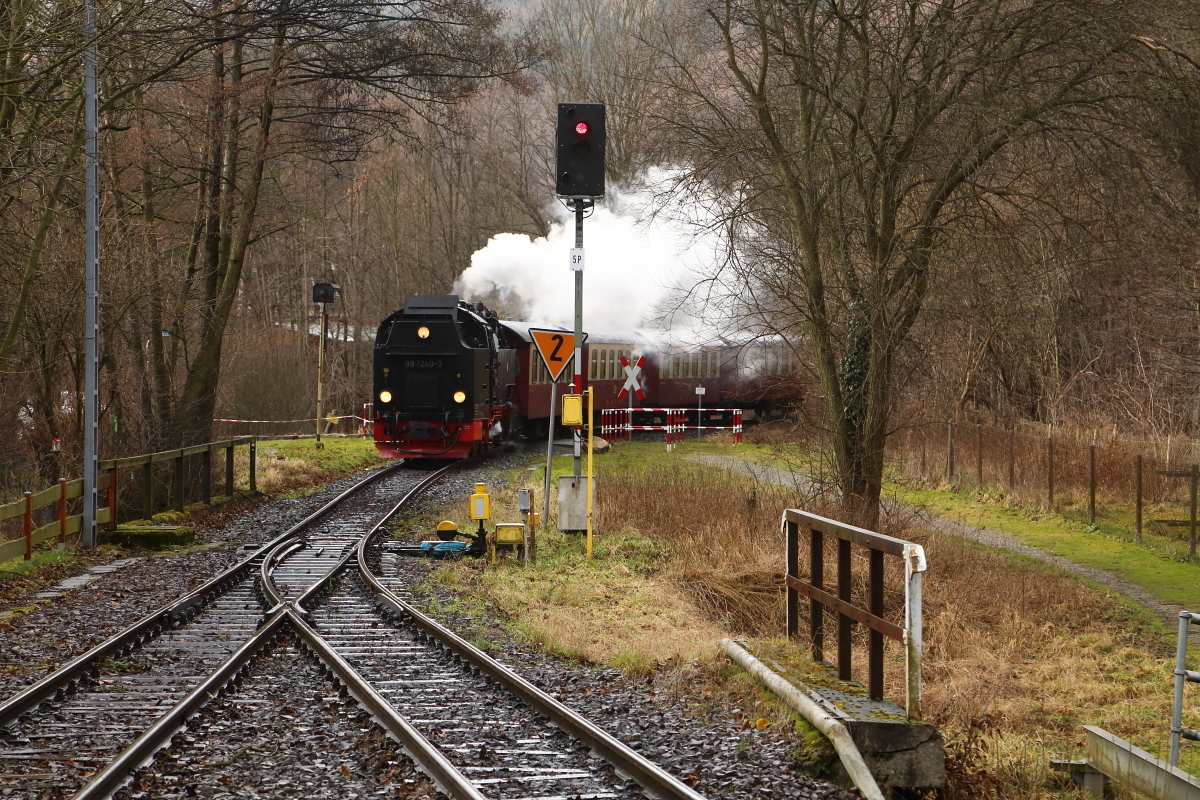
(638, 268)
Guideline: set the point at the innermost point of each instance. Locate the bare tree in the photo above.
(841, 144)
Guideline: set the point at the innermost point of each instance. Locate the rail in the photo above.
(59, 494)
(878, 545)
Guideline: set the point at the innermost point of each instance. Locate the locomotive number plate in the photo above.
(423, 363)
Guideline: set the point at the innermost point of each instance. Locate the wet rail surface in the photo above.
(468, 726)
(53, 748)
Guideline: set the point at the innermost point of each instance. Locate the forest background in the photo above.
(966, 209)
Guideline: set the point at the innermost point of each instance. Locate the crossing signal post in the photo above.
(552, 347)
(323, 293)
(579, 171)
(579, 180)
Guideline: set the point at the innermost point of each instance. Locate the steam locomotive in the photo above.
(450, 378)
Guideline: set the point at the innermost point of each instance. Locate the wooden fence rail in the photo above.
(107, 484)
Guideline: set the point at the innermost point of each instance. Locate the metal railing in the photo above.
(878, 545)
(1182, 676)
(64, 491)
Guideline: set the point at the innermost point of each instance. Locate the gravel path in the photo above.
(1167, 612)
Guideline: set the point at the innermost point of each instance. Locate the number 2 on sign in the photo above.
(577, 258)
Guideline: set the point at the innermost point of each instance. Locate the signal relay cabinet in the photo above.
(572, 502)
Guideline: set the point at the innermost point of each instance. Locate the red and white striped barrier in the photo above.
(676, 427)
(616, 424)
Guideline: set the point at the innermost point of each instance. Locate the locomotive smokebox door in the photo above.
(572, 503)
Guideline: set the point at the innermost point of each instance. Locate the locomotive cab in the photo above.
(437, 371)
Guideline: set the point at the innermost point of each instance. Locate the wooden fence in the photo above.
(60, 495)
(1046, 468)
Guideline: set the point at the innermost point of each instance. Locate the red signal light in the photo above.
(581, 128)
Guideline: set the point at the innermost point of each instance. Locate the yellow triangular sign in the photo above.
(556, 349)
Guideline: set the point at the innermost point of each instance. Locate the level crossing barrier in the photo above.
(60, 494)
(616, 424)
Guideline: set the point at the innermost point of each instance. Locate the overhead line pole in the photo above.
(91, 256)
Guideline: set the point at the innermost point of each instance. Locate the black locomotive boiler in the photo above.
(440, 376)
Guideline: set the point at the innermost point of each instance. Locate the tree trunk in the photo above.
(199, 396)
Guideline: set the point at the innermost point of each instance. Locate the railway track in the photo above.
(473, 726)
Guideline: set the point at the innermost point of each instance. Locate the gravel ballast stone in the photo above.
(285, 733)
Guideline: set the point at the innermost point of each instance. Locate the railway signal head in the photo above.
(579, 165)
(325, 292)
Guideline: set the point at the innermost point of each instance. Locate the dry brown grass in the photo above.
(603, 615)
(1018, 655)
(718, 532)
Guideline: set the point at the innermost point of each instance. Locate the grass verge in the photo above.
(1152, 565)
(296, 468)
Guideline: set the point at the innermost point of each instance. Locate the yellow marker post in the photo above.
(481, 503)
(591, 478)
(481, 509)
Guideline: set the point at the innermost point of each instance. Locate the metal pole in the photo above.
(591, 479)
(321, 368)
(792, 565)
(91, 260)
(549, 456)
(577, 464)
(1185, 619)
(914, 565)
(699, 416)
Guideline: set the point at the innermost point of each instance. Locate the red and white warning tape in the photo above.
(310, 419)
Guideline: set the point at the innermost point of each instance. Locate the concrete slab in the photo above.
(84, 578)
(899, 753)
(1137, 769)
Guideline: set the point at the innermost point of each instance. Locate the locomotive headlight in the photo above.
(422, 332)
(460, 397)
(385, 396)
